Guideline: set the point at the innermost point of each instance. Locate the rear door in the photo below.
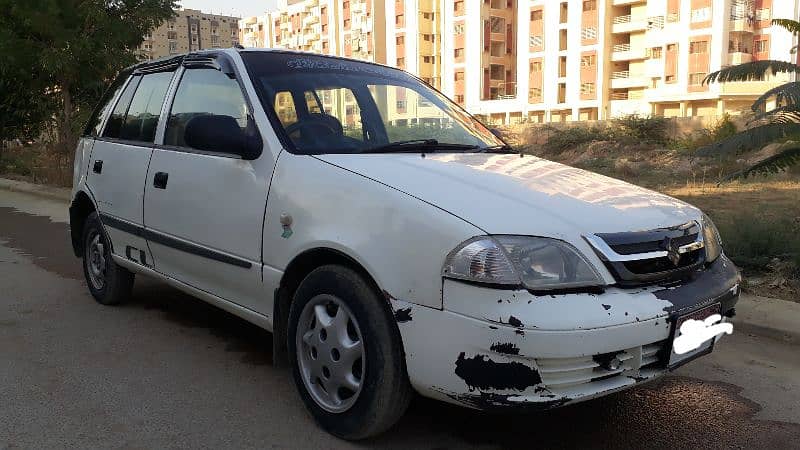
(204, 210)
(118, 165)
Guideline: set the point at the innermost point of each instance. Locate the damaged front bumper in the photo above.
(509, 349)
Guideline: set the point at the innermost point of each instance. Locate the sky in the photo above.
(241, 8)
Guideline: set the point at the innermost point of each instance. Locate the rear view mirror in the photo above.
(222, 134)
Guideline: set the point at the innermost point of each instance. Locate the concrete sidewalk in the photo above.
(769, 317)
(40, 190)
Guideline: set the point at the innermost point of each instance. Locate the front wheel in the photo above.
(346, 354)
(109, 283)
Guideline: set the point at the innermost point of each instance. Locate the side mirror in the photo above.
(222, 134)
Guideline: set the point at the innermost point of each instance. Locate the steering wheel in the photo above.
(316, 126)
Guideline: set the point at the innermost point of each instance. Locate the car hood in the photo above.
(513, 194)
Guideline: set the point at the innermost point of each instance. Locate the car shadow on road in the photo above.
(253, 342)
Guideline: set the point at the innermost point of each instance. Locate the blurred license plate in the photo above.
(675, 359)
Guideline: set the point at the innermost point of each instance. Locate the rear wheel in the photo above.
(346, 353)
(109, 283)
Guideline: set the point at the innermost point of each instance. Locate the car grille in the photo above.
(645, 257)
(564, 373)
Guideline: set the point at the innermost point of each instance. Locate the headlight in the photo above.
(712, 240)
(538, 264)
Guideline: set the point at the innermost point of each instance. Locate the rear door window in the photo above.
(142, 117)
(135, 116)
(114, 124)
(93, 126)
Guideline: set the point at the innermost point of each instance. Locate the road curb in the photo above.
(768, 317)
(39, 190)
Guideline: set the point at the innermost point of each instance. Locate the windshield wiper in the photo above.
(503, 148)
(418, 145)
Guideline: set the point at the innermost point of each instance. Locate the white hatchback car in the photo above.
(390, 241)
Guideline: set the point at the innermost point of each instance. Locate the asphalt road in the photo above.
(167, 370)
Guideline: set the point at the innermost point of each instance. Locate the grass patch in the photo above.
(760, 227)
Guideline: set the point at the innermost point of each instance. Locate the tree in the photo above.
(770, 125)
(58, 56)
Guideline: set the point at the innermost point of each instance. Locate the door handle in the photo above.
(98, 166)
(160, 180)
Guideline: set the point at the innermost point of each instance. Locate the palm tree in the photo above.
(769, 125)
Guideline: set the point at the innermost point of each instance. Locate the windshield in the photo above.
(327, 105)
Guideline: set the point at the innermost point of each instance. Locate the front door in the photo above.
(118, 165)
(204, 210)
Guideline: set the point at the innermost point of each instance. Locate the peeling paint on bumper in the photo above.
(492, 349)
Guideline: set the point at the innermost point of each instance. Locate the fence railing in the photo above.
(622, 74)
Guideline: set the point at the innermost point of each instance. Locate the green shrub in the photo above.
(561, 139)
(723, 128)
(644, 129)
(753, 240)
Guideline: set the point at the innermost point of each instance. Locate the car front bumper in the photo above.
(498, 349)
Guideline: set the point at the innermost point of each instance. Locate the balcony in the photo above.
(623, 79)
(624, 52)
(742, 25)
(735, 58)
(628, 24)
(310, 19)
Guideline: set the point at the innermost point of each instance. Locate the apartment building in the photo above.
(255, 31)
(350, 28)
(551, 60)
(596, 59)
(190, 30)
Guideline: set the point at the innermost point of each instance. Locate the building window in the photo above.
(173, 48)
(669, 79)
(698, 47)
(536, 66)
(459, 76)
(426, 15)
(458, 7)
(401, 62)
(701, 15)
(537, 15)
(400, 40)
(460, 99)
(497, 72)
(399, 20)
(346, 23)
(536, 41)
(498, 48)
(672, 48)
(588, 60)
(498, 4)
(498, 24)
(656, 53)
(589, 5)
(459, 53)
(761, 46)
(534, 95)
(458, 28)
(172, 35)
(589, 33)
(587, 88)
(427, 59)
(696, 79)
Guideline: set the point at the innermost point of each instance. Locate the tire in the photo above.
(384, 392)
(109, 283)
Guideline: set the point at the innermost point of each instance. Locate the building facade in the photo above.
(550, 60)
(190, 30)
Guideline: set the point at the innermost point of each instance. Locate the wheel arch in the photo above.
(300, 266)
(80, 208)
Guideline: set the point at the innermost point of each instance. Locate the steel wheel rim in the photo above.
(96, 261)
(330, 353)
